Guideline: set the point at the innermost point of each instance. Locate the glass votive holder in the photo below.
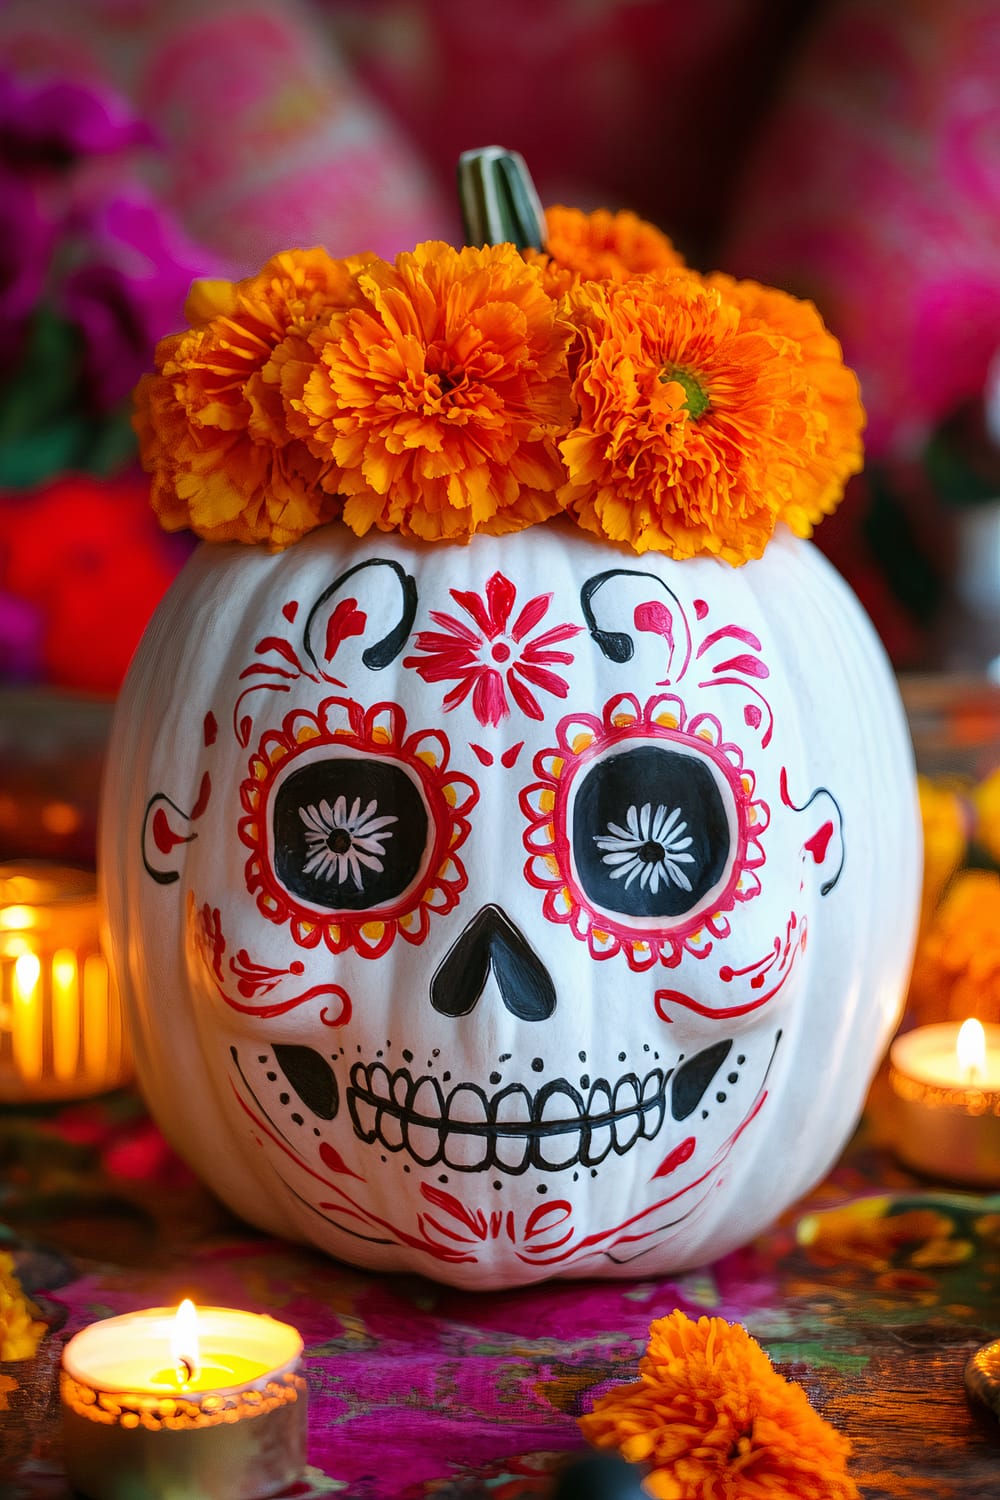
(62, 1032)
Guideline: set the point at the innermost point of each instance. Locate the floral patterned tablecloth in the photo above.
(872, 1294)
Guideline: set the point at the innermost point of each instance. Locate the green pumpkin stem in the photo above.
(498, 199)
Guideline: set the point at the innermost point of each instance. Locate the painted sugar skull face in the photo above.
(498, 894)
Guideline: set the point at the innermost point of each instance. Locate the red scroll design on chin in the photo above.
(255, 981)
(774, 969)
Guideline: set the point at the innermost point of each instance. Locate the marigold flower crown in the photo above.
(486, 389)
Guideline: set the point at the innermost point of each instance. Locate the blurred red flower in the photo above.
(88, 558)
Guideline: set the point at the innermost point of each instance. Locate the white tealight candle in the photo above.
(946, 1083)
(216, 1410)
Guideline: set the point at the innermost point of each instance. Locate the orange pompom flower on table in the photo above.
(210, 422)
(711, 1419)
(437, 401)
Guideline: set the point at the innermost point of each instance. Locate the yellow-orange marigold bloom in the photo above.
(211, 423)
(600, 246)
(830, 449)
(986, 803)
(956, 972)
(20, 1333)
(945, 822)
(689, 425)
(711, 1419)
(438, 400)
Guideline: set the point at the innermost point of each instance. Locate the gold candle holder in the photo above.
(946, 1111)
(229, 1426)
(62, 1032)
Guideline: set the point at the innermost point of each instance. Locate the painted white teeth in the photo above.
(558, 1150)
(424, 1143)
(464, 1151)
(468, 1132)
(379, 1082)
(466, 1106)
(427, 1102)
(558, 1107)
(652, 1120)
(599, 1102)
(626, 1095)
(512, 1107)
(364, 1114)
(511, 1151)
(597, 1147)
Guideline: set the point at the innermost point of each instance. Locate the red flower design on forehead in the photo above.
(495, 657)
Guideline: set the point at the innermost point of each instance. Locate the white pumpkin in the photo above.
(509, 911)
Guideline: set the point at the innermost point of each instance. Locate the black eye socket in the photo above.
(651, 833)
(348, 834)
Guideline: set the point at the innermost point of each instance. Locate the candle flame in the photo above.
(971, 1049)
(184, 1348)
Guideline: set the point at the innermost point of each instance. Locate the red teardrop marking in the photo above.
(700, 608)
(290, 610)
(676, 1158)
(210, 728)
(752, 716)
(820, 842)
(333, 1159)
(164, 836)
(204, 792)
(509, 757)
(346, 620)
(484, 757)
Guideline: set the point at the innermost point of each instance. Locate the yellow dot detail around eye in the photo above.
(546, 800)
(429, 759)
(381, 735)
(306, 733)
(373, 931)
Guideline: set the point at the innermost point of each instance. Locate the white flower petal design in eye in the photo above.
(650, 847)
(340, 841)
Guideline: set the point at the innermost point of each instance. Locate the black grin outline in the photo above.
(395, 1102)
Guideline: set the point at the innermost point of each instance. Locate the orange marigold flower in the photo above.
(956, 972)
(830, 448)
(438, 400)
(211, 423)
(20, 1333)
(600, 246)
(986, 804)
(945, 820)
(690, 420)
(711, 1419)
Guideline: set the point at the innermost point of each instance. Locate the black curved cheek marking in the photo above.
(156, 829)
(694, 1076)
(379, 655)
(312, 1078)
(491, 941)
(618, 645)
(821, 791)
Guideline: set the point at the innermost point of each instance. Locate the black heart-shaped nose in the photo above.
(492, 941)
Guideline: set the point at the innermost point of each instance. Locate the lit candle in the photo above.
(946, 1085)
(61, 1032)
(209, 1404)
